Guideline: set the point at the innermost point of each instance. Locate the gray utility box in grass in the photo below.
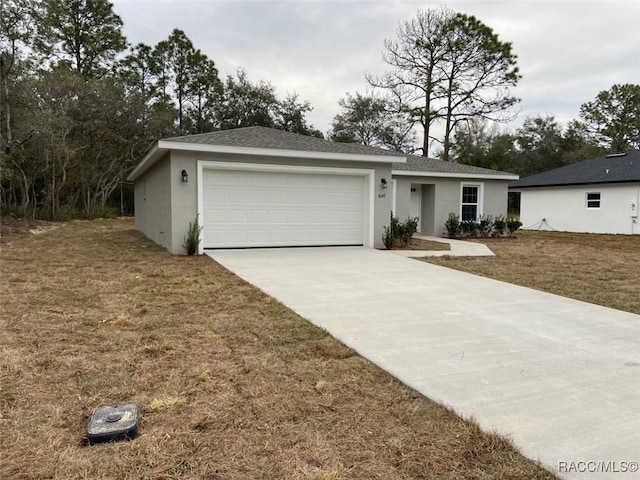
(113, 422)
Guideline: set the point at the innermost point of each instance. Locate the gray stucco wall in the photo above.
(184, 196)
(152, 199)
(441, 196)
(184, 199)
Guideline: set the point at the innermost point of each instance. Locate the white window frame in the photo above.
(587, 201)
(480, 187)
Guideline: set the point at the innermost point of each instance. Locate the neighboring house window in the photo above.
(593, 200)
(471, 201)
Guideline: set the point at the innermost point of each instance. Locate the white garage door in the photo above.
(273, 209)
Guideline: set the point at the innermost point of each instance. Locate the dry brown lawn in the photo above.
(421, 244)
(601, 269)
(232, 384)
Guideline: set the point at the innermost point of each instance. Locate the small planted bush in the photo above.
(469, 228)
(406, 230)
(485, 225)
(452, 225)
(192, 238)
(513, 224)
(394, 226)
(387, 237)
(499, 226)
(399, 233)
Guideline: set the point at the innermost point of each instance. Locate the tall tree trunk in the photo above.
(447, 128)
(5, 69)
(426, 125)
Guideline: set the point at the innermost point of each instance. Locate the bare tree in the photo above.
(414, 79)
(449, 67)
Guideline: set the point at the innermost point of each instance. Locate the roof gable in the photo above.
(611, 168)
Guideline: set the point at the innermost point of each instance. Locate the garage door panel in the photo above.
(253, 209)
(276, 196)
(299, 217)
(297, 197)
(317, 198)
(260, 235)
(236, 178)
(236, 195)
(258, 216)
(279, 216)
(258, 195)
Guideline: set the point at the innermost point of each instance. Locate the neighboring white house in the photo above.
(599, 195)
(260, 187)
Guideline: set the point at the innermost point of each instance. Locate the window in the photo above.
(471, 205)
(593, 200)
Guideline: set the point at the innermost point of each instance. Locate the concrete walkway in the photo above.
(458, 248)
(560, 377)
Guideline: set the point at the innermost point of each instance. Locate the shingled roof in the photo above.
(612, 168)
(263, 137)
(271, 138)
(432, 165)
(269, 141)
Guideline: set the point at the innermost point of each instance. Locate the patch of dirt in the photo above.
(12, 229)
(420, 244)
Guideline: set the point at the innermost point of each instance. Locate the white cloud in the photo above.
(567, 50)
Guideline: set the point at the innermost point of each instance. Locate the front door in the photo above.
(416, 204)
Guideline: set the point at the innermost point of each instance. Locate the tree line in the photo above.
(79, 106)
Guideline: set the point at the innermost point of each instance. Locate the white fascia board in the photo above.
(486, 176)
(274, 152)
(148, 160)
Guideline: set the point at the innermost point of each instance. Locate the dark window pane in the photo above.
(469, 212)
(593, 200)
(469, 194)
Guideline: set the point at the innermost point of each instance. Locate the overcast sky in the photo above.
(568, 50)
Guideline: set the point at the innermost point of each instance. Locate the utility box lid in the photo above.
(113, 422)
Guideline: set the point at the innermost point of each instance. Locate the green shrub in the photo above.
(406, 230)
(485, 225)
(452, 225)
(394, 225)
(67, 212)
(499, 226)
(12, 211)
(513, 224)
(399, 232)
(387, 237)
(192, 238)
(469, 228)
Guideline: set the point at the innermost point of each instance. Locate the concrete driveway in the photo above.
(559, 376)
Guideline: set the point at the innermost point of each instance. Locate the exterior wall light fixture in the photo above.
(185, 176)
